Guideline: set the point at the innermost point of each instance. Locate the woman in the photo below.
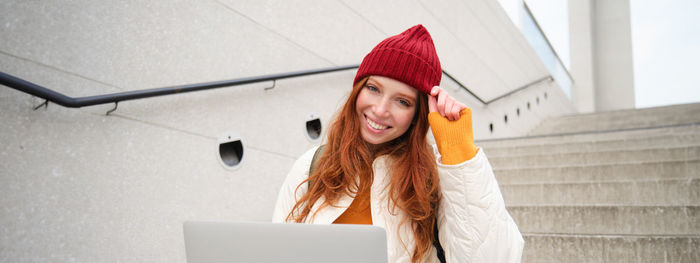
(377, 167)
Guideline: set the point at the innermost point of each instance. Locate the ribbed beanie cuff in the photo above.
(409, 57)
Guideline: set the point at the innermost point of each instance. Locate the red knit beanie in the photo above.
(408, 57)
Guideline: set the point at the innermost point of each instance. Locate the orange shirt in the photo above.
(359, 211)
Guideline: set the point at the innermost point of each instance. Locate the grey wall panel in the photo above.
(136, 45)
(325, 28)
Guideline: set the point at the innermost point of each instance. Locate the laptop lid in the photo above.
(214, 242)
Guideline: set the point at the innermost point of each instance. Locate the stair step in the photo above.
(603, 136)
(602, 173)
(624, 119)
(662, 141)
(610, 248)
(597, 158)
(622, 220)
(651, 192)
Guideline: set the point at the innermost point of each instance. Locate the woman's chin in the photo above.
(374, 140)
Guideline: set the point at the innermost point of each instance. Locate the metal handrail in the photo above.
(63, 100)
(66, 101)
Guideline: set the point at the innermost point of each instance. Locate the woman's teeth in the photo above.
(375, 125)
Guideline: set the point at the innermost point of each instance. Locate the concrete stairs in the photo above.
(620, 186)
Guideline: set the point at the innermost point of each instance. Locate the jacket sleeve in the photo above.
(474, 225)
(289, 194)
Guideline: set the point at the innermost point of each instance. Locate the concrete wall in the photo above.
(614, 68)
(581, 49)
(601, 55)
(77, 185)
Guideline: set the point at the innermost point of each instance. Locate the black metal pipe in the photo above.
(36, 90)
(63, 100)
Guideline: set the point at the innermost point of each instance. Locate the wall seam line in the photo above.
(59, 70)
(274, 32)
(162, 126)
(363, 17)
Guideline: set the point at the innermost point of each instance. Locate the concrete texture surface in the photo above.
(610, 248)
(625, 191)
(600, 157)
(638, 192)
(600, 219)
(591, 137)
(622, 119)
(626, 144)
(601, 173)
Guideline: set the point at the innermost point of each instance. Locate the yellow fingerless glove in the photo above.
(455, 139)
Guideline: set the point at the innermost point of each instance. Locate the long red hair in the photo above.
(414, 186)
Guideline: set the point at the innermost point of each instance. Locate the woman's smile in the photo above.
(375, 125)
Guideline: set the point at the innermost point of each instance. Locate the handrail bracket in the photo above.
(274, 82)
(45, 104)
(116, 103)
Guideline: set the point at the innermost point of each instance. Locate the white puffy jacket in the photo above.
(473, 222)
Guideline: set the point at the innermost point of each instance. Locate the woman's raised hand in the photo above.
(440, 101)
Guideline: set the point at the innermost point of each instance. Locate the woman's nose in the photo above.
(381, 107)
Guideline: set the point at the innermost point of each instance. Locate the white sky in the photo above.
(665, 40)
(553, 18)
(666, 45)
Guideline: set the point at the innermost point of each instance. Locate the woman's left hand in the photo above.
(440, 101)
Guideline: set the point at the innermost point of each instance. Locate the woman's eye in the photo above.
(404, 102)
(372, 88)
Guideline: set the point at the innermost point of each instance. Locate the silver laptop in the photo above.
(214, 242)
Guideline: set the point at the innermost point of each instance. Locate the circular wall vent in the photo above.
(314, 127)
(231, 151)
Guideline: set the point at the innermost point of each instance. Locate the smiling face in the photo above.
(385, 107)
